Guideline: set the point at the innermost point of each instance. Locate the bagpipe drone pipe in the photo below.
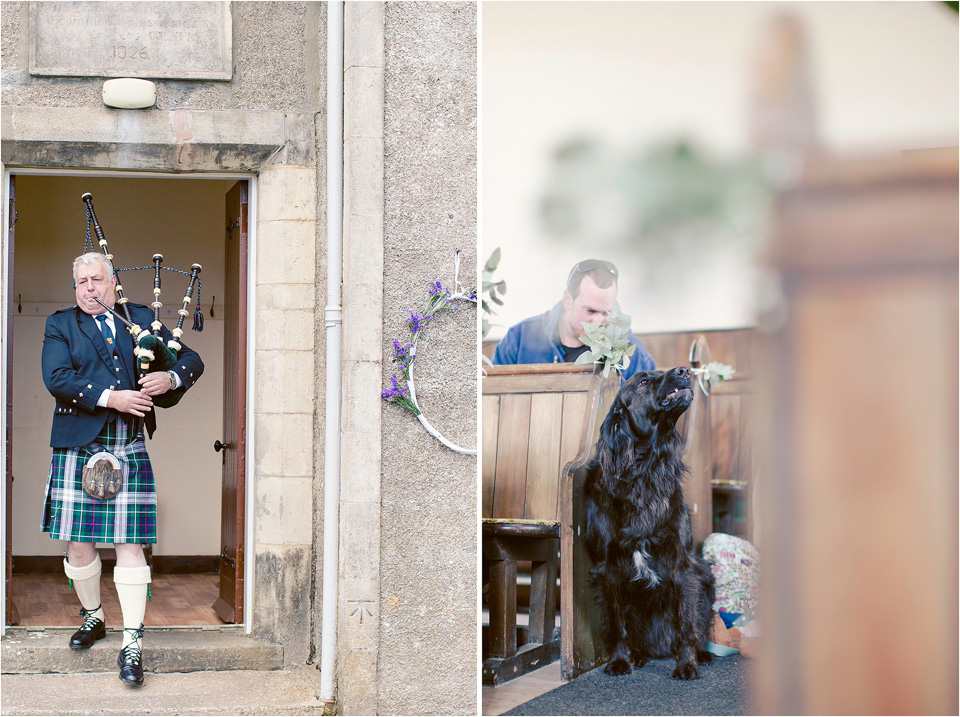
(149, 348)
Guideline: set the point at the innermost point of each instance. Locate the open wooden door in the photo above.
(10, 610)
(229, 605)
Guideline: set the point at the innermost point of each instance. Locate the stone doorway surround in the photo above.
(282, 274)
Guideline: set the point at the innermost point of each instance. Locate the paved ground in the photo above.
(231, 692)
(651, 690)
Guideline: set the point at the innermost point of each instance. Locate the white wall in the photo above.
(181, 219)
(885, 76)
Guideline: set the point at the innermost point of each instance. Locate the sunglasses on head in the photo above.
(589, 265)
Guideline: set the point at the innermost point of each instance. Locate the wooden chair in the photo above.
(536, 419)
(582, 646)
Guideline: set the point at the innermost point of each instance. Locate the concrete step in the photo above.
(26, 652)
(236, 692)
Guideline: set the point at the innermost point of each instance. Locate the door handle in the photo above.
(218, 446)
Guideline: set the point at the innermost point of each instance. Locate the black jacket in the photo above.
(77, 367)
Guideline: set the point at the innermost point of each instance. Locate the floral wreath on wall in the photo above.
(405, 353)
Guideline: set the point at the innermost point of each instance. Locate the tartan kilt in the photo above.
(129, 517)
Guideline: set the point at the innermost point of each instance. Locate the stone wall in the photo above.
(275, 55)
(408, 547)
(429, 549)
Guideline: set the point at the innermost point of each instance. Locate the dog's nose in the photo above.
(683, 371)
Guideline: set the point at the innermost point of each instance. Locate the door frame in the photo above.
(6, 331)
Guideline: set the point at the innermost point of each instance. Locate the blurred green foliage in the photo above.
(665, 202)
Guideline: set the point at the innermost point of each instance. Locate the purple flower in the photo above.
(401, 353)
(400, 395)
(416, 322)
(398, 391)
(437, 288)
(473, 294)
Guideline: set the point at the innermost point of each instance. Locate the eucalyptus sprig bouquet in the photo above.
(491, 288)
(714, 372)
(608, 342)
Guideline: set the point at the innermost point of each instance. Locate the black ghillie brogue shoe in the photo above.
(130, 659)
(92, 629)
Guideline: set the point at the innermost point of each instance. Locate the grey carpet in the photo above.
(721, 690)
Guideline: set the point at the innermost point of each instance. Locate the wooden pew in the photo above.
(536, 419)
(582, 646)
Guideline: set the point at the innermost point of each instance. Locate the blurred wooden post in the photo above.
(697, 450)
(859, 608)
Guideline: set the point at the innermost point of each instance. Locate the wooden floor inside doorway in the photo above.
(179, 600)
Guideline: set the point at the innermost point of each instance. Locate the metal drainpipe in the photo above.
(333, 321)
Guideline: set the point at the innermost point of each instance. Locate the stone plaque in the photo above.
(174, 40)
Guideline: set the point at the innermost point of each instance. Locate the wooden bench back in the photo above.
(536, 419)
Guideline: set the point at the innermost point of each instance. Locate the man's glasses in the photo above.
(590, 265)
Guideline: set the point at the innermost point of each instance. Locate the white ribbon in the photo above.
(459, 293)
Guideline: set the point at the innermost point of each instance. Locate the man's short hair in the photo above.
(603, 273)
(92, 257)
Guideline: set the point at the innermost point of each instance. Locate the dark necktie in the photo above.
(105, 330)
(112, 348)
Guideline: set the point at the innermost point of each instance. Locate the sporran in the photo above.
(102, 476)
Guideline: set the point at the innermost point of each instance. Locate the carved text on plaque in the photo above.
(174, 40)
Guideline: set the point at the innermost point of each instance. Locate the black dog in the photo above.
(655, 592)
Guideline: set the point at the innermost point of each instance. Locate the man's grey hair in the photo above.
(92, 257)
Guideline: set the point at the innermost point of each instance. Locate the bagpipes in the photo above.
(149, 348)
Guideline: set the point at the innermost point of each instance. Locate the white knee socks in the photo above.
(132, 590)
(86, 581)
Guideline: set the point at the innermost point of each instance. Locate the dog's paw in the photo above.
(637, 659)
(618, 666)
(687, 671)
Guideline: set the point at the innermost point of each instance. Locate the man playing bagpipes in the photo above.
(100, 487)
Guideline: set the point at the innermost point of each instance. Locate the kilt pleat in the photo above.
(129, 517)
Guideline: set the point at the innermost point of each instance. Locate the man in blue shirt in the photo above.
(554, 336)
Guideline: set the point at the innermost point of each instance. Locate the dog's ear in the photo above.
(615, 447)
